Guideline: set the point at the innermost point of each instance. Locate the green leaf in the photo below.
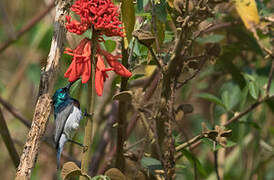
(140, 5)
(248, 77)
(226, 99)
(110, 45)
(243, 97)
(212, 98)
(151, 164)
(128, 17)
(231, 94)
(160, 10)
(193, 160)
(213, 38)
(253, 89)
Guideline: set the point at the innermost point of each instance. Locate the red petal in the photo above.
(87, 72)
(120, 69)
(99, 77)
(67, 73)
(73, 74)
(117, 66)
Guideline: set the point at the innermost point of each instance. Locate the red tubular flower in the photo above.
(100, 75)
(81, 64)
(102, 14)
(115, 64)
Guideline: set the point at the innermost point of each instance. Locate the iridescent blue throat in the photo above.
(61, 99)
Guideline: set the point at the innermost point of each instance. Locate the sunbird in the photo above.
(67, 115)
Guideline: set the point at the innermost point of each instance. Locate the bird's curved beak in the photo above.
(69, 86)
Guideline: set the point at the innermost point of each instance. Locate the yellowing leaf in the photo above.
(150, 69)
(248, 12)
(170, 3)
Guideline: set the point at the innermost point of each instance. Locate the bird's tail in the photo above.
(58, 157)
(59, 148)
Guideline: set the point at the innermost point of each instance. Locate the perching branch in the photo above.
(43, 106)
(4, 131)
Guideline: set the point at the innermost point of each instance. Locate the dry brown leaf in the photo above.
(70, 169)
(123, 96)
(115, 174)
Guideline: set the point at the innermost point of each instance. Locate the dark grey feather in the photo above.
(60, 122)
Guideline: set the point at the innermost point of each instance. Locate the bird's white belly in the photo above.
(72, 122)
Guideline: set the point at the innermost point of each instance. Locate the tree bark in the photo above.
(43, 106)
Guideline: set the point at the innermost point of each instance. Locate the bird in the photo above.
(67, 115)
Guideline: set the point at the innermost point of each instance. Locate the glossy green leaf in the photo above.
(128, 17)
(212, 98)
(253, 89)
(110, 45)
(151, 164)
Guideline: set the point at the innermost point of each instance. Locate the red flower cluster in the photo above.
(81, 65)
(101, 14)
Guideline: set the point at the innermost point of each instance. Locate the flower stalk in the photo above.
(86, 153)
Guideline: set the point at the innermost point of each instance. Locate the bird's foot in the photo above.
(85, 148)
(87, 114)
(79, 144)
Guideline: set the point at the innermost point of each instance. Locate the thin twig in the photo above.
(197, 139)
(216, 164)
(135, 144)
(270, 78)
(27, 27)
(15, 112)
(4, 131)
(158, 62)
(194, 74)
(250, 108)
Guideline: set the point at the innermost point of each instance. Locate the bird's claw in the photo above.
(86, 114)
(85, 148)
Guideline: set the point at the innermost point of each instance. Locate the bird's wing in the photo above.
(60, 122)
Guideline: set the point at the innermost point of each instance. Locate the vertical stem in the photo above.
(86, 154)
(120, 160)
(4, 131)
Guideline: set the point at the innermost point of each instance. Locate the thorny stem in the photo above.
(86, 154)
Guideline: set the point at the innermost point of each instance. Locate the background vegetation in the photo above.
(209, 115)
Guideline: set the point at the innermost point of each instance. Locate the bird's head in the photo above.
(62, 94)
